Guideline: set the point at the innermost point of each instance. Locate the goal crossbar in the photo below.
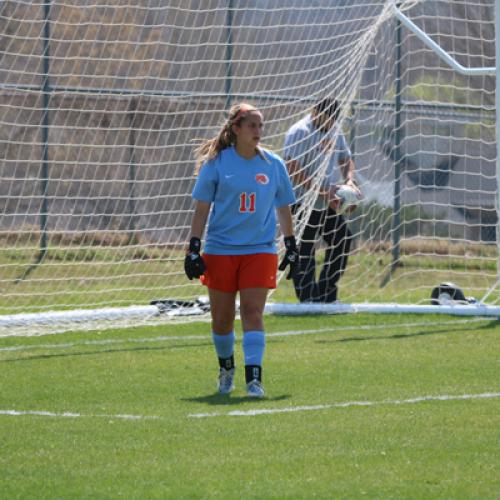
(447, 58)
(467, 71)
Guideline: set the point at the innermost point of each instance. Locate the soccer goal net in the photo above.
(102, 103)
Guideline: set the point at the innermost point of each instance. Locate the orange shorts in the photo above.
(230, 273)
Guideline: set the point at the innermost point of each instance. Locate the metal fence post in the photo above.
(396, 218)
(44, 210)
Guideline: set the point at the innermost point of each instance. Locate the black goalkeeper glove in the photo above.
(291, 257)
(194, 266)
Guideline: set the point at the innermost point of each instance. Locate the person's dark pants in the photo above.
(332, 227)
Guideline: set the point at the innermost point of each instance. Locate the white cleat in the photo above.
(225, 383)
(255, 389)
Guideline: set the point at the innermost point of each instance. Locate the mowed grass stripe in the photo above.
(288, 333)
(93, 437)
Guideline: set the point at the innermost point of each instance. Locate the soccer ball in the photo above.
(348, 196)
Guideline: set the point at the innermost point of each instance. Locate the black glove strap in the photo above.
(290, 243)
(194, 245)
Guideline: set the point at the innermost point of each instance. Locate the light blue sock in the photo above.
(254, 343)
(224, 344)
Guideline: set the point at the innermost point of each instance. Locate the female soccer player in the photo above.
(245, 186)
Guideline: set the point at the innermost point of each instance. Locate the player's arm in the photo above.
(295, 148)
(194, 266)
(291, 257)
(285, 220)
(294, 171)
(298, 174)
(346, 166)
(199, 220)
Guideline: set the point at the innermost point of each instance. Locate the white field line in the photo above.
(162, 338)
(67, 345)
(41, 413)
(255, 412)
(295, 409)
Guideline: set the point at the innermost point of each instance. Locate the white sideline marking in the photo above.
(251, 413)
(103, 342)
(289, 333)
(16, 413)
(293, 409)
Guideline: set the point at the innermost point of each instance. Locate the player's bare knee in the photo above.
(222, 327)
(251, 318)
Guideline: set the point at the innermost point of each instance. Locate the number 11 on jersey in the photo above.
(247, 202)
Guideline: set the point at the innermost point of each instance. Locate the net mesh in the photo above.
(101, 104)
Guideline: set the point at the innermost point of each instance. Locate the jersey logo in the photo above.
(262, 178)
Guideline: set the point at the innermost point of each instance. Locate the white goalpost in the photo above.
(102, 104)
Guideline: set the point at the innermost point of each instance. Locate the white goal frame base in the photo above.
(452, 309)
(77, 316)
(61, 321)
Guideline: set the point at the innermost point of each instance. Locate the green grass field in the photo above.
(58, 285)
(310, 437)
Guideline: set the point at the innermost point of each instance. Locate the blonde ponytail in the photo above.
(210, 148)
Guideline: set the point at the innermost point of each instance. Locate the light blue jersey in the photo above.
(311, 147)
(244, 195)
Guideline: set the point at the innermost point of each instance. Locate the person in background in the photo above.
(241, 188)
(309, 143)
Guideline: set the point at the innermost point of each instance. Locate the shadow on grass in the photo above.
(100, 352)
(401, 336)
(492, 324)
(217, 399)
